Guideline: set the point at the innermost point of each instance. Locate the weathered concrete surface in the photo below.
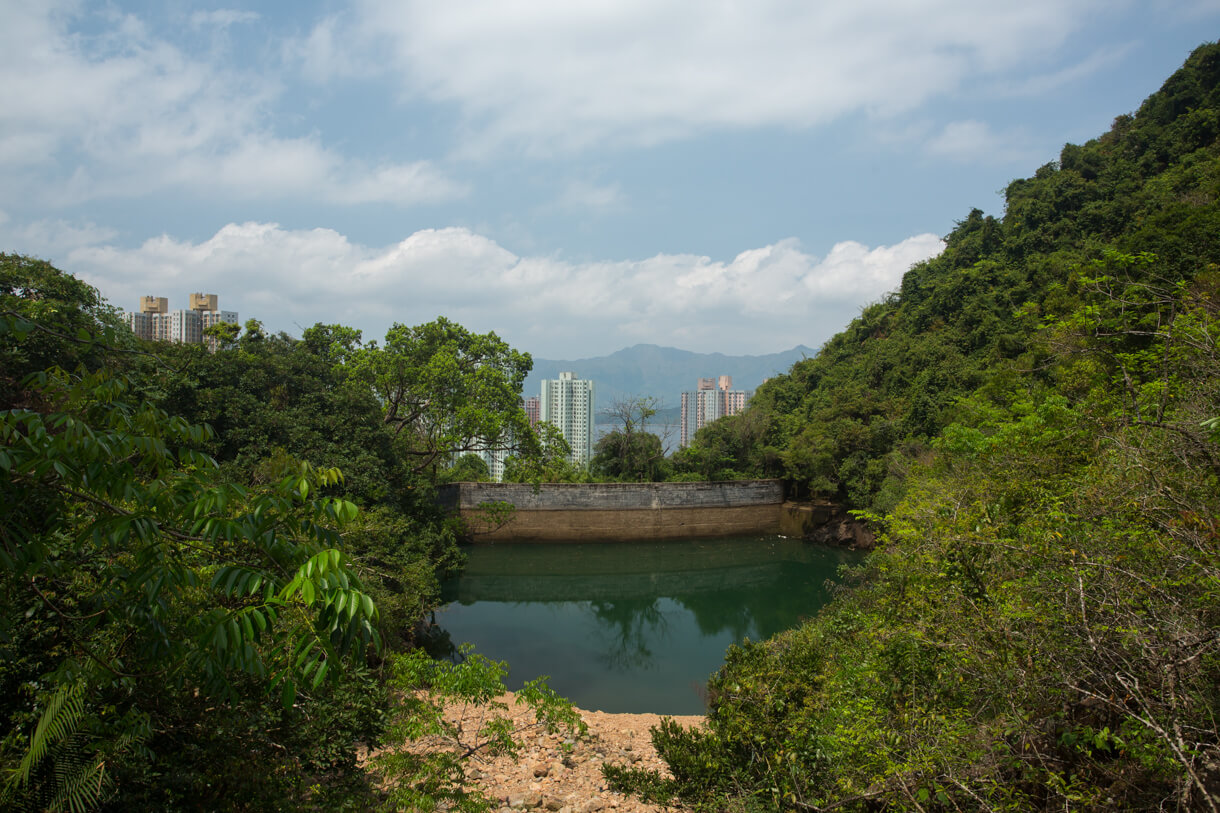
(582, 512)
(614, 496)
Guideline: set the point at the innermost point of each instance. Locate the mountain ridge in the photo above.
(651, 370)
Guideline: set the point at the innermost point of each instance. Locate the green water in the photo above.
(632, 627)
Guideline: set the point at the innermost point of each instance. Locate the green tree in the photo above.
(278, 401)
(630, 452)
(731, 448)
(161, 625)
(469, 468)
(336, 343)
(545, 459)
(222, 335)
(70, 313)
(446, 391)
(138, 570)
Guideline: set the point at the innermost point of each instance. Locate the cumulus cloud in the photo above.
(121, 112)
(552, 74)
(762, 300)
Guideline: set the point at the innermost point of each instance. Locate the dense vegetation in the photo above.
(1031, 423)
(209, 560)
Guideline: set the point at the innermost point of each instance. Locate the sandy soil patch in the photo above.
(554, 772)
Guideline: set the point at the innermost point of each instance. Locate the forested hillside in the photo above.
(847, 422)
(1031, 420)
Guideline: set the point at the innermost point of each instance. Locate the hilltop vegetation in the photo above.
(847, 422)
(1030, 421)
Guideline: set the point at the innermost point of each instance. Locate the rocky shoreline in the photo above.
(559, 773)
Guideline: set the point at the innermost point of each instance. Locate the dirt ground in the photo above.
(556, 772)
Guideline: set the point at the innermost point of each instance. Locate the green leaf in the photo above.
(220, 639)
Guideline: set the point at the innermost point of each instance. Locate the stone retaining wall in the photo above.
(583, 512)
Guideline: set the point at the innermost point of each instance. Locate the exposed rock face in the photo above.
(826, 523)
(848, 532)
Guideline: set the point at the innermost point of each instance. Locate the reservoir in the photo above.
(632, 626)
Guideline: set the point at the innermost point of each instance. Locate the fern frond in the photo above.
(80, 791)
(58, 722)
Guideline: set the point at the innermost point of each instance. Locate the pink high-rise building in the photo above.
(533, 409)
(714, 398)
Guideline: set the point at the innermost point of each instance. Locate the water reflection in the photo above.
(629, 628)
(633, 626)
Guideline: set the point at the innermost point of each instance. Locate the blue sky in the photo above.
(735, 177)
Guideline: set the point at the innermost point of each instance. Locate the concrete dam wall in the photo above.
(586, 512)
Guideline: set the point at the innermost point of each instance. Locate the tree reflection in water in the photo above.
(629, 625)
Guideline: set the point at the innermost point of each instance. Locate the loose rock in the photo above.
(562, 774)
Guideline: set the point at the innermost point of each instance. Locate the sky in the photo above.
(579, 176)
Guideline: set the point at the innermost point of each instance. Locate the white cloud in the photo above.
(222, 17)
(332, 49)
(47, 238)
(555, 74)
(763, 300)
(854, 272)
(261, 166)
(123, 113)
(975, 142)
(1043, 84)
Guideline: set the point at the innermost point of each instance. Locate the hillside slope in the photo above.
(846, 422)
(1036, 411)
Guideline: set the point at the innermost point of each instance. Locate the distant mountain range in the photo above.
(663, 372)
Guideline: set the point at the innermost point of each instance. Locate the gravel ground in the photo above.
(560, 774)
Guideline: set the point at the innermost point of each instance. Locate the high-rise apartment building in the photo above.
(533, 409)
(144, 322)
(713, 398)
(567, 404)
(156, 322)
(495, 460)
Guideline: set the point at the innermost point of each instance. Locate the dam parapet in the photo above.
(611, 512)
